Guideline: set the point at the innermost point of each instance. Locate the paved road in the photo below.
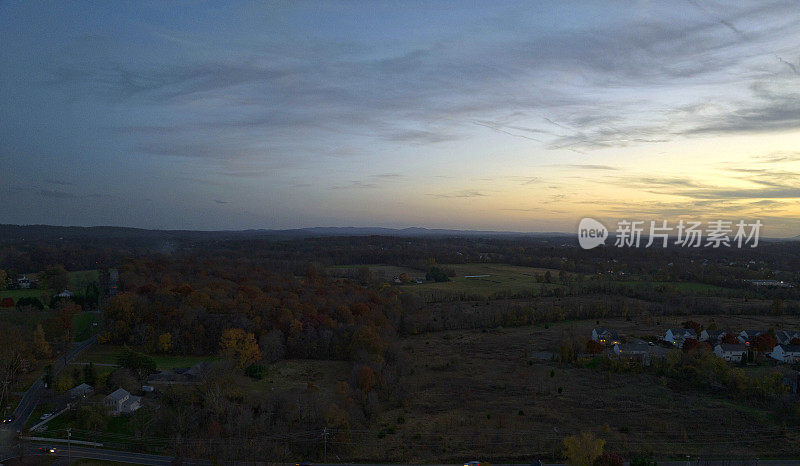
(32, 396)
(62, 451)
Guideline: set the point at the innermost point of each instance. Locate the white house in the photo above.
(676, 336)
(731, 352)
(785, 337)
(747, 336)
(24, 282)
(605, 336)
(122, 402)
(786, 353)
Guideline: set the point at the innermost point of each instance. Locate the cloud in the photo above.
(779, 157)
(468, 193)
(388, 176)
(771, 110)
(56, 194)
(59, 182)
(588, 166)
(784, 192)
(355, 185)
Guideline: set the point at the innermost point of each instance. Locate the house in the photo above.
(786, 353)
(676, 336)
(122, 402)
(747, 336)
(7, 302)
(712, 336)
(65, 294)
(24, 282)
(731, 352)
(605, 336)
(638, 351)
(81, 391)
(785, 337)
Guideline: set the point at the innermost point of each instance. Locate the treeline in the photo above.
(184, 305)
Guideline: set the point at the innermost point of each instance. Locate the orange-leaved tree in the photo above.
(240, 345)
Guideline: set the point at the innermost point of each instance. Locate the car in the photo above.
(45, 450)
(9, 419)
(473, 463)
(45, 416)
(303, 463)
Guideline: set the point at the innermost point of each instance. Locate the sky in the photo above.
(515, 116)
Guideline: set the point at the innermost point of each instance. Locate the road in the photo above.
(30, 399)
(74, 452)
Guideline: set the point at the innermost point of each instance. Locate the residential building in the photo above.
(638, 351)
(81, 391)
(785, 337)
(605, 336)
(122, 402)
(747, 336)
(677, 336)
(786, 353)
(731, 352)
(712, 336)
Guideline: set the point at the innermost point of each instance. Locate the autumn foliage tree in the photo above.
(690, 344)
(764, 343)
(693, 325)
(366, 379)
(583, 449)
(241, 346)
(65, 311)
(593, 347)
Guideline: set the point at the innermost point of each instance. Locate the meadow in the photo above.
(107, 354)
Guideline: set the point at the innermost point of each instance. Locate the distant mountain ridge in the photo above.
(10, 232)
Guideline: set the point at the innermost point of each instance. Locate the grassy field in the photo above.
(107, 354)
(380, 272)
(298, 373)
(80, 278)
(686, 287)
(82, 325)
(459, 380)
(498, 280)
(43, 295)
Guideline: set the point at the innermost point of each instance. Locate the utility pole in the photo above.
(69, 445)
(325, 443)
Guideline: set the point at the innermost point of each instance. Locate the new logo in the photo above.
(591, 233)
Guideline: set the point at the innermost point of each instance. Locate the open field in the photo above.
(381, 272)
(485, 281)
(107, 354)
(464, 379)
(298, 373)
(80, 278)
(81, 323)
(43, 295)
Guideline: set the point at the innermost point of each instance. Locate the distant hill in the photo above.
(14, 233)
